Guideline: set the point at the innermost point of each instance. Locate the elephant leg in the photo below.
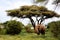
(43, 32)
(36, 29)
(38, 32)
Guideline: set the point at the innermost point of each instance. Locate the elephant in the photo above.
(39, 28)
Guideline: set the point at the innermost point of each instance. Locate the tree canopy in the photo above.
(36, 1)
(26, 11)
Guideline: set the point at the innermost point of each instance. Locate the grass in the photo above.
(27, 36)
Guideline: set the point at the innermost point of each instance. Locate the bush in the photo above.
(13, 27)
(54, 27)
(28, 28)
(2, 31)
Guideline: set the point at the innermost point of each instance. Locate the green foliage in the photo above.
(27, 11)
(28, 28)
(37, 1)
(13, 27)
(54, 27)
(40, 0)
(2, 31)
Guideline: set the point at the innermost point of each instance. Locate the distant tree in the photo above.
(32, 11)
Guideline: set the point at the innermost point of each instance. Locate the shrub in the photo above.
(2, 31)
(54, 27)
(28, 28)
(13, 27)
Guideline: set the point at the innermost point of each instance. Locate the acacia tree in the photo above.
(32, 11)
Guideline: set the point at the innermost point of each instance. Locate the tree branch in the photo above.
(37, 19)
(42, 19)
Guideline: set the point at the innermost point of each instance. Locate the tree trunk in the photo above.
(32, 21)
(37, 20)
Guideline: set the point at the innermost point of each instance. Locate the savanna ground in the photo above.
(28, 36)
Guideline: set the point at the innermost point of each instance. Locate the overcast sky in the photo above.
(12, 4)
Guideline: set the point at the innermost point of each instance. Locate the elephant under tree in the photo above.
(32, 11)
(39, 28)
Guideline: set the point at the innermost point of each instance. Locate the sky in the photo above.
(12, 4)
